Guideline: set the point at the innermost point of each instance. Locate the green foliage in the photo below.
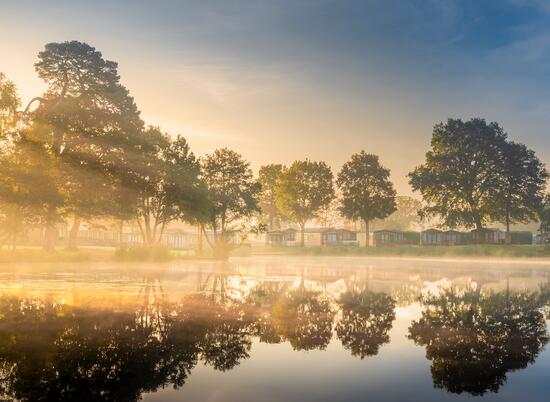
(461, 172)
(520, 189)
(9, 102)
(90, 125)
(367, 192)
(232, 193)
(544, 215)
(168, 184)
(473, 339)
(303, 190)
(405, 216)
(267, 177)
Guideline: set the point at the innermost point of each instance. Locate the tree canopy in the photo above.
(302, 190)
(367, 192)
(461, 172)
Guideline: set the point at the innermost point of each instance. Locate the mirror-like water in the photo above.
(275, 329)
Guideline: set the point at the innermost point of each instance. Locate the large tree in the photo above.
(267, 177)
(89, 122)
(303, 190)
(461, 172)
(520, 190)
(233, 194)
(166, 177)
(367, 192)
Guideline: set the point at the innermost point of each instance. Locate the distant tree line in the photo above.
(81, 151)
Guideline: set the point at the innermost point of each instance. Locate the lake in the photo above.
(276, 329)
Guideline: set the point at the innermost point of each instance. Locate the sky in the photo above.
(284, 80)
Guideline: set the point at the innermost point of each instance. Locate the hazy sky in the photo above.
(285, 80)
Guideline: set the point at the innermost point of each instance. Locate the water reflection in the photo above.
(366, 320)
(117, 346)
(474, 338)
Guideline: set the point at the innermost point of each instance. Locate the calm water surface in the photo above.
(276, 329)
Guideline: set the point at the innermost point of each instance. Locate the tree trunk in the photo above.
(302, 235)
(73, 233)
(50, 235)
(367, 234)
(199, 240)
(508, 234)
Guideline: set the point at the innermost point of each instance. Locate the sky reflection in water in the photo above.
(274, 329)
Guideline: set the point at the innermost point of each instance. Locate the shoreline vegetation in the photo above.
(80, 155)
(144, 254)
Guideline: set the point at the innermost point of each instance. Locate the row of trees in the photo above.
(81, 151)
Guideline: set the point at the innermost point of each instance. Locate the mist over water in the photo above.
(274, 328)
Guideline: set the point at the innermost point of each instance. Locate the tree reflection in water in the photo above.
(55, 352)
(475, 338)
(97, 352)
(366, 320)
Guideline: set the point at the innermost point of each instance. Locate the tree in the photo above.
(29, 184)
(167, 179)
(367, 192)
(267, 177)
(473, 339)
(9, 102)
(302, 190)
(405, 216)
(544, 218)
(521, 187)
(90, 122)
(367, 317)
(233, 196)
(461, 172)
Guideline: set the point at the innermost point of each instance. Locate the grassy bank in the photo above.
(486, 250)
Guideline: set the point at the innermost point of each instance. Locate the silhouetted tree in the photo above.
(367, 192)
(304, 319)
(521, 186)
(89, 122)
(461, 172)
(367, 317)
(474, 339)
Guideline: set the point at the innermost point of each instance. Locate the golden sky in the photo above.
(309, 80)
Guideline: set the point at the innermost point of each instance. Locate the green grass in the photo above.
(484, 250)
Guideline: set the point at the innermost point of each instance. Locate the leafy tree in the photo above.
(90, 122)
(461, 172)
(544, 217)
(521, 187)
(367, 317)
(367, 192)
(304, 318)
(167, 179)
(267, 177)
(473, 339)
(405, 216)
(9, 102)
(303, 190)
(233, 196)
